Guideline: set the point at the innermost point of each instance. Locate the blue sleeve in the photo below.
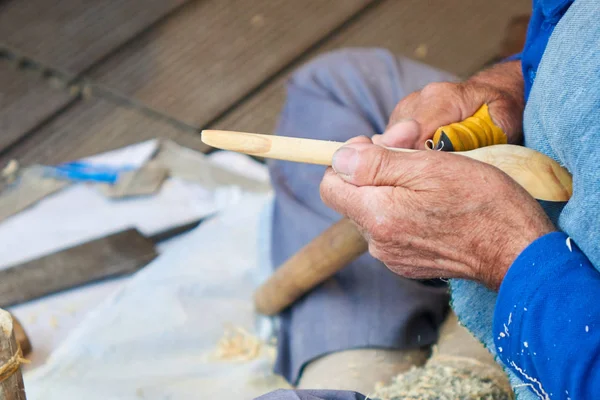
(547, 319)
(514, 57)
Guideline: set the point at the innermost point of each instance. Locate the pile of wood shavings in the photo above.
(237, 344)
(441, 381)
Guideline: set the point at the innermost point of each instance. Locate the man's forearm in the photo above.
(547, 319)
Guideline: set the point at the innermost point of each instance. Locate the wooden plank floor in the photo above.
(95, 125)
(458, 36)
(211, 53)
(26, 100)
(71, 35)
(169, 68)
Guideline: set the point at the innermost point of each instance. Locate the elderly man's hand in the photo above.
(431, 214)
(418, 115)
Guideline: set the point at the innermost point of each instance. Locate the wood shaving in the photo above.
(257, 21)
(10, 169)
(442, 381)
(71, 309)
(237, 344)
(53, 322)
(32, 318)
(9, 173)
(421, 51)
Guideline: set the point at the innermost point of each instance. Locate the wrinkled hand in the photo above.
(416, 118)
(431, 214)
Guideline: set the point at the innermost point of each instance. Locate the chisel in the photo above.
(117, 254)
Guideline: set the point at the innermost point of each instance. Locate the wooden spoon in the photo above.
(537, 173)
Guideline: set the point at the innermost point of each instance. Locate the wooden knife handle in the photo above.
(325, 255)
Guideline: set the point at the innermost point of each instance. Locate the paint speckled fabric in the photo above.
(561, 120)
(336, 97)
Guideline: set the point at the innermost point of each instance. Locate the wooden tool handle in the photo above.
(317, 261)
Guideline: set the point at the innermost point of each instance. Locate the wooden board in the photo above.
(92, 126)
(71, 35)
(25, 101)
(460, 36)
(211, 53)
(117, 254)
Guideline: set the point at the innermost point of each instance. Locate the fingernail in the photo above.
(345, 161)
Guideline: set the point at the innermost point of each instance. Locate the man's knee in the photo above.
(343, 70)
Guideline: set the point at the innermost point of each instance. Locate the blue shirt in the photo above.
(547, 313)
(544, 17)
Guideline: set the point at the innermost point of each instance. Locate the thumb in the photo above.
(365, 164)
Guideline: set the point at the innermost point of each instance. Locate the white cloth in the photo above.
(80, 213)
(154, 337)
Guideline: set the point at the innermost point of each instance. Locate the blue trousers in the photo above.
(336, 97)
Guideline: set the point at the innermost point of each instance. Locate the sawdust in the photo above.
(257, 21)
(53, 322)
(71, 309)
(237, 344)
(10, 170)
(421, 51)
(442, 381)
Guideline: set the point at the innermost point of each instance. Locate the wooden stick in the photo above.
(317, 261)
(541, 176)
(308, 151)
(11, 380)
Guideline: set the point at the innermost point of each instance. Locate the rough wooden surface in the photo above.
(71, 35)
(91, 126)
(211, 53)
(117, 254)
(25, 101)
(12, 388)
(21, 337)
(457, 36)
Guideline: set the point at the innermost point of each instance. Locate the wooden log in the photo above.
(21, 337)
(313, 264)
(11, 379)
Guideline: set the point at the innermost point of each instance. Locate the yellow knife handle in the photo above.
(476, 131)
